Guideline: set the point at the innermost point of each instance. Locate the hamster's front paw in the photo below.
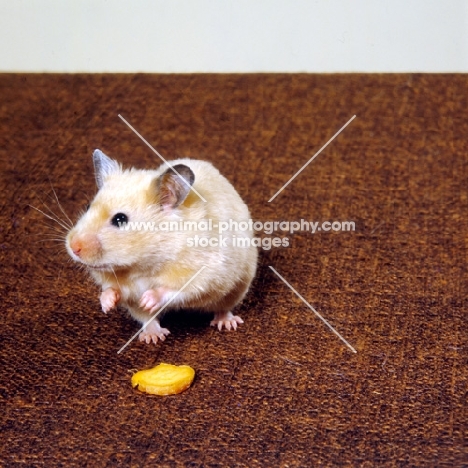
(152, 299)
(153, 332)
(109, 299)
(227, 320)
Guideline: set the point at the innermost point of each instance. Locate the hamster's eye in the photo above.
(119, 219)
(87, 207)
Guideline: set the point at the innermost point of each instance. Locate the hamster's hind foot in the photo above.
(152, 332)
(227, 320)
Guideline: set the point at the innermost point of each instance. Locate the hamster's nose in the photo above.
(85, 246)
(76, 246)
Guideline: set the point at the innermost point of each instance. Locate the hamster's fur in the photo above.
(142, 269)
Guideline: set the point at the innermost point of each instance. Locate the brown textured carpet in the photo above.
(283, 390)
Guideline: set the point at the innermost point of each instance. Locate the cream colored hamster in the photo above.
(124, 241)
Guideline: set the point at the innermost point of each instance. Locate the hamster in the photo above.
(124, 241)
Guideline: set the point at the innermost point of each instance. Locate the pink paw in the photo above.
(227, 320)
(152, 299)
(153, 332)
(109, 299)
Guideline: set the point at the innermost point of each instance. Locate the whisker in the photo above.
(60, 273)
(53, 213)
(113, 271)
(50, 239)
(60, 206)
(54, 216)
(50, 217)
(58, 231)
(54, 248)
(49, 230)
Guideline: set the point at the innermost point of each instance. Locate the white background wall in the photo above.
(234, 35)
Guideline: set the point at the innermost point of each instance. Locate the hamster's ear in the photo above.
(103, 166)
(174, 185)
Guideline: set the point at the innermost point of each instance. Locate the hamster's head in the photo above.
(119, 229)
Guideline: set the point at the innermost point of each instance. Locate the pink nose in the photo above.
(76, 246)
(86, 245)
